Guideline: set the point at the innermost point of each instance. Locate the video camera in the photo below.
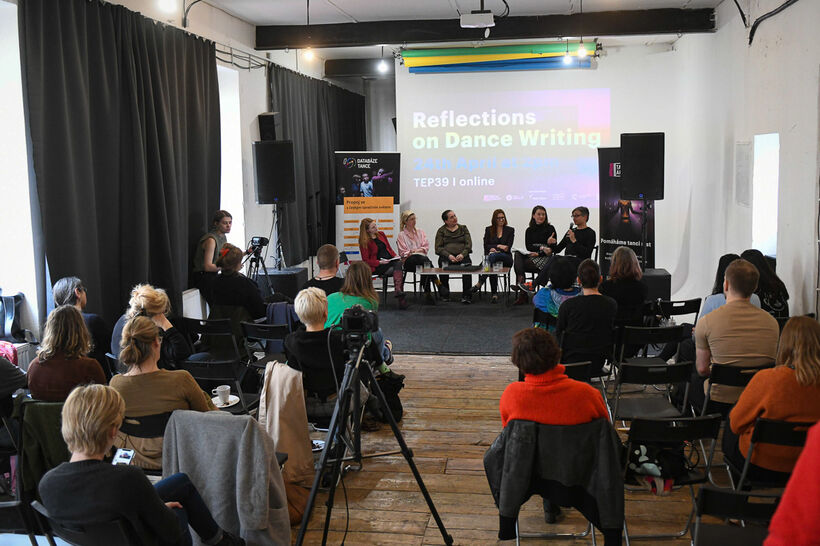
(356, 323)
(257, 244)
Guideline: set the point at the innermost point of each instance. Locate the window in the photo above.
(231, 195)
(765, 182)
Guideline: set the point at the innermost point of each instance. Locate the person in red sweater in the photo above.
(377, 253)
(788, 392)
(797, 519)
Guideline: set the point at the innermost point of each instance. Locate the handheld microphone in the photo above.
(571, 225)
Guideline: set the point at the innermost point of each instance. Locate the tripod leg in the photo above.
(367, 372)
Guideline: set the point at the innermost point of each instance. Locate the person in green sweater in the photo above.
(453, 246)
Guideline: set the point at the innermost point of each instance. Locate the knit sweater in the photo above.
(773, 394)
(551, 398)
(450, 243)
(52, 380)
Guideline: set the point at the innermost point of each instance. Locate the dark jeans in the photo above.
(415, 260)
(178, 488)
(523, 264)
(505, 258)
(445, 279)
(731, 452)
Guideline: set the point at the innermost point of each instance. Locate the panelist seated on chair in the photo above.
(88, 490)
(577, 244)
(148, 390)
(736, 334)
(62, 362)
(378, 254)
(498, 243)
(788, 392)
(546, 395)
(413, 248)
(328, 279)
(453, 247)
(536, 243)
(154, 304)
(319, 352)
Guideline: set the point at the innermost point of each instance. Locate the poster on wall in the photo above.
(367, 187)
(620, 219)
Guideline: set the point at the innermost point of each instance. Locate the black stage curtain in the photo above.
(320, 119)
(123, 116)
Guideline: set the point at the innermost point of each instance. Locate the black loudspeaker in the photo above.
(273, 164)
(642, 166)
(285, 281)
(270, 125)
(659, 283)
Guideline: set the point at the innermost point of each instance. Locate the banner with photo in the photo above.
(620, 219)
(368, 186)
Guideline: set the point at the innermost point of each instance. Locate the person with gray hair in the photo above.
(72, 291)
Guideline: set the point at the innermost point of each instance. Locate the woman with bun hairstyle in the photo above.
(377, 253)
(148, 390)
(62, 362)
(154, 303)
(774, 298)
(232, 287)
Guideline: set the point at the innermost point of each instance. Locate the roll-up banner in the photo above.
(620, 219)
(368, 187)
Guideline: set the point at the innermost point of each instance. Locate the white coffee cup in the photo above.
(223, 392)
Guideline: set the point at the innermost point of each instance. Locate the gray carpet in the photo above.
(452, 327)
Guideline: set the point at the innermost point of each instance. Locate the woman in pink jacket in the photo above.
(413, 247)
(376, 253)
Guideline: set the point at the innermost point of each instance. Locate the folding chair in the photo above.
(266, 337)
(729, 376)
(644, 337)
(657, 406)
(578, 371)
(116, 531)
(146, 426)
(114, 365)
(210, 375)
(723, 503)
(385, 284)
(769, 431)
(679, 307)
(210, 330)
(666, 431)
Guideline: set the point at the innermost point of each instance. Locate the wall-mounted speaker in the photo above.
(270, 125)
(273, 166)
(642, 166)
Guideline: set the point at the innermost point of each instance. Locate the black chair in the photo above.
(210, 331)
(644, 337)
(769, 431)
(385, 283)
(118, 531)
(672, 308)
(677, 431)
(729, 376)
(262, 337)
(723, 503)
(656, 406)
(114, 365)
(578, 370)
(580, 348)
(210, 375)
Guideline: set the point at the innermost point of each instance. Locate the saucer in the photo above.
(232, 401)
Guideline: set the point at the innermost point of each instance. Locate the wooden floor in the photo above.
(450, 419)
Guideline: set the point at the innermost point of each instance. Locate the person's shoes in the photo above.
(429, 299)
(522, 299)
(475, 289)
(494, 298)
(467, 299)
(554, 516)
(393, 376)
(230, 540)
(525, 287)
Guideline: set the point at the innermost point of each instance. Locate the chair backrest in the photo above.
(726, 503)
(641, 374)
(734, 376)
(114, 364)
(784, 433)
(146, 426)
(580, 348)
(222, 343)
(209, 375)
(578, 370)
(682, 429)
(117, 531)
(680, 307)
(635, 335)
(272, 333)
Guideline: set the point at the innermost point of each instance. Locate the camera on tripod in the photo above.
(356, 324)
(257, 244)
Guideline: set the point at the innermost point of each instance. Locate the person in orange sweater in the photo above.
(788, 392)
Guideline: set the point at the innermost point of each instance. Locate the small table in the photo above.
(503, 275)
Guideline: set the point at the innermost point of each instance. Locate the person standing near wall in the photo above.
(206, 252)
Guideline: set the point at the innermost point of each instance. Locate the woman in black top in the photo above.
(536, 241)
(626, 287)
(232, 288)
(774, 298)
(498, 242)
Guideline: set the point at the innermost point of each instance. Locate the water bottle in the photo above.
(486, 263)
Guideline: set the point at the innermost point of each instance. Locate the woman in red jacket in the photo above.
(376, 253)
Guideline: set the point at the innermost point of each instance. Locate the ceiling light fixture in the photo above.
(382, 66)
(567, 58)
(167, 6)
(582, 51)
(307, 53)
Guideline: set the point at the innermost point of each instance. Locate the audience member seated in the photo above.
(561, 288)
(206, 252)
(736, 334)
(413, 248)
(625, 286)
(590, 315)
(61, 363)
(232, 288)
(536, 242)
(579, 242)
(153, 303)
(453, 247)
(328, 279)
(546, 395)
(377, 253)
(797, 519)
(498, 242)
(12, 378)
(788, 392)
(70, 291)
(149, 390)
(89, 490)
(774, 298)
(319, 352)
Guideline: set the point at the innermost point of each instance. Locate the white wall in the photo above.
(380, 109)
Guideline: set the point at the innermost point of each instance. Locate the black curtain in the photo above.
(123, 119)
(320, 119)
